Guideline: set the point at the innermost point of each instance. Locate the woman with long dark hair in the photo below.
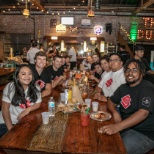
(20, 97)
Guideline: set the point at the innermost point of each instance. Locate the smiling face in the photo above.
(98, 69)
(105, 65)
(133, 74)
(57, 63)
(40, 61)
(25, 76)
(95, 58)
(115, 63)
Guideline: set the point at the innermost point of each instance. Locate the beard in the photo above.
(133, 82)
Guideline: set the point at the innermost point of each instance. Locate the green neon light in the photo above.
(133, 31)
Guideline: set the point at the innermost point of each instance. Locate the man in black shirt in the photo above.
(41, 74)
(56, 72)
(136, 100)
(124, 54)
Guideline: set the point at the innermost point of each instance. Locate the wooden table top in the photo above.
(6, 71)
(77, 139)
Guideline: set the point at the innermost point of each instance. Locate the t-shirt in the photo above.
(132, 99)
(86, 64)
(41, 79)
(102, 84)
(15, 110)
(112, 82)
(54, 75)
(125, 56)
(98, 76)
(72, 53)
(31, 54)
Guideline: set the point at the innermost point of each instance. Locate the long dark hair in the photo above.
(19, 95)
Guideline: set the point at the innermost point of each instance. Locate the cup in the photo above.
(62, 96)
(95, 106)
(88, 102)
(45, 117)
(84, 119)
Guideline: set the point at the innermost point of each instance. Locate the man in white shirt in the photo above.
(31, 52)
(72, 54)
(113, 80)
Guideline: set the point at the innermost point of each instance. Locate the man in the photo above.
(87, 63)
(31, 52)
(97, 74)
(96, 60)
(40, 74)
(73, 58)
(113, 80)
(139, 53)
(136, 122)
(55, 71)
(124, 54)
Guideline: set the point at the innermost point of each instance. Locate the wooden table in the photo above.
(77, 139)
(6, 71)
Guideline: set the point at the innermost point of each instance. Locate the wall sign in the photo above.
(98, 30)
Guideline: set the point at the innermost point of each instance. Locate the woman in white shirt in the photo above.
(20, 97)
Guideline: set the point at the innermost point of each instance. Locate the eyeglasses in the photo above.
(133, 70)
(114, 60)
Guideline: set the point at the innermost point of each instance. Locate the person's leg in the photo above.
(136, 143)
(3, 129)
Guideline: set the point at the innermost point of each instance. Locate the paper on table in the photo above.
(77, 94)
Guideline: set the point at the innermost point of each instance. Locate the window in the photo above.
(67, 20)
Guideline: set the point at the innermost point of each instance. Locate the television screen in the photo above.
(67, 20)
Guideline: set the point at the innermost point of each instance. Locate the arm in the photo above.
(6, 114)
(58, 81)
(133, 120)
(94, 78)
(28, 110)
(112, 108)
(47, 90)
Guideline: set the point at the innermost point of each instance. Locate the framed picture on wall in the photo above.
(53, 23)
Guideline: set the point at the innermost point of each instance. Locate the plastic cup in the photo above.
(88, 102)
(84, 119)
(95, 106)
(62, 95)
(45, 117)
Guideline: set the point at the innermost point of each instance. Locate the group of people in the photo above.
(129, 96)
(120, 82)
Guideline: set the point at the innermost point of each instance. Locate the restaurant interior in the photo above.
(86, 25)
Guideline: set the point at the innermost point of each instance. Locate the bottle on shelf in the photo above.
(51, 107)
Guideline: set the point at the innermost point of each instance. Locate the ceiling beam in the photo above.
(145, 5)
(37, 4)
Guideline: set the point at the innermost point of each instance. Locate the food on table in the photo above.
(100, 115)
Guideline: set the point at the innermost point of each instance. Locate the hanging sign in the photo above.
(60, 28)
(98, 30)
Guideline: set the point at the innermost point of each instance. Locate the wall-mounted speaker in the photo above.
(109, 28)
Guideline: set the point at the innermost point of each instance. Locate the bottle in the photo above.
(70, 93)
(51, 107)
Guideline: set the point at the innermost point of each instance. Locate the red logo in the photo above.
(125, 101)
(23, 106)
(40, 83)
(109, 82)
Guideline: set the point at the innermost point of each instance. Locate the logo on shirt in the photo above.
(23, 106)
(146, 101)
(125, 101)
(40, 83)
(109, 82)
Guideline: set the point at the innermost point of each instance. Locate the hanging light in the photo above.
(90, 11)
(26, 12)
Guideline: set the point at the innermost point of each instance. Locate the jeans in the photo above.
(136, 143)
(3, 129)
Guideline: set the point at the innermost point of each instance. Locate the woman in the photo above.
(20, 97)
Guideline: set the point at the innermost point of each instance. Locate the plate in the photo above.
(100, 116)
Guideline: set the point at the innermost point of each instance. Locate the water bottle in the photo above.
(51, 107)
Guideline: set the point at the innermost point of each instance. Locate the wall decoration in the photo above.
(53, 23)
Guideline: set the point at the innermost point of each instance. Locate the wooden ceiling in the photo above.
(79, 7)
